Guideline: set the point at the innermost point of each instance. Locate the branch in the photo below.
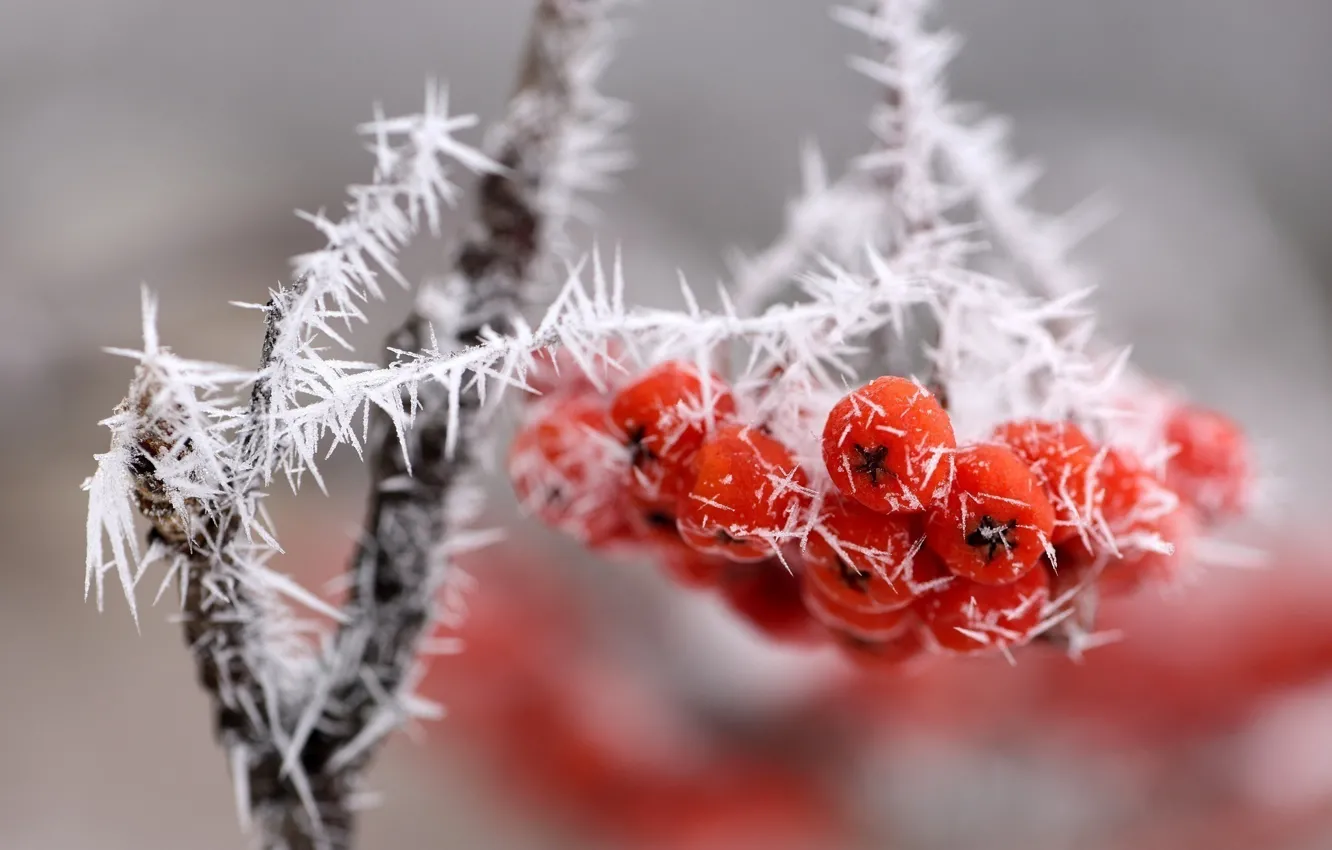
(885, 195)
(921, 136)
(196, 464)
(421, 497)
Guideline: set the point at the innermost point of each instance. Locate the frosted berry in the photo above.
(1132, 503)
(888, 445)
(564, 470)
(1060, 455)
(662, 418)
(866, 560)
(968, 617)
(995, 522)
(747, 488)
(1122, 482)
(768, 598)
(1211, 466)
(867, 624)
(1142, 561)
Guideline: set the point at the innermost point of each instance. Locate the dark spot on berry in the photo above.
(993, 534)
(639, 454)
(659, 519)
(872, 462)
(858, 643)
(725, 537)
(856, 579)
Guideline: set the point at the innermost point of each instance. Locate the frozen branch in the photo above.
(930, 157)
(196, 466)
(814, 342)
(892, 191)
(555, 141)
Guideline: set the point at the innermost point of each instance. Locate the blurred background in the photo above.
(167, 142)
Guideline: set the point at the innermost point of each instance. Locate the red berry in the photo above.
(656, 531)
(892, 653)
(865, 560)
(662, 418)
(768, 597)
(968, 617)
(1060, 455)
(607, 529)
(1122, 481)
(996, 522)
(693, 569)
(564, 470)
(888, 445)
(867, 624)
(1131, 497)
(1210, 467)
(1142, 560)
(747, 489)
(655, 523)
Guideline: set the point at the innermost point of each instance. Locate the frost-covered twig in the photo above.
(195, 459)
(167, 452)
(555, 141)
(196, 464)
(971, 148)
(815, 342)
(931, 155)
(892, 191)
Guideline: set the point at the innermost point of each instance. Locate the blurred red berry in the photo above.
(1060, 455)
(662, 418)
(747, 488)
(693, 569)
(893, 653)
(740, 804)
(1122, 483)
(1142, 560)
(866, 560)
(866, 624)
(768, 597)
(564, 469)
(1210, 468)
(656, 523)
(995, 522)
(1132, 498)
(888, 445)
(967, 617)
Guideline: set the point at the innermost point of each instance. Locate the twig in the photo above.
(942, 139)
(419, 497)
(298, 730)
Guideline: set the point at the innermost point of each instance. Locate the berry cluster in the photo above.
(901, 541)
(662, 464)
